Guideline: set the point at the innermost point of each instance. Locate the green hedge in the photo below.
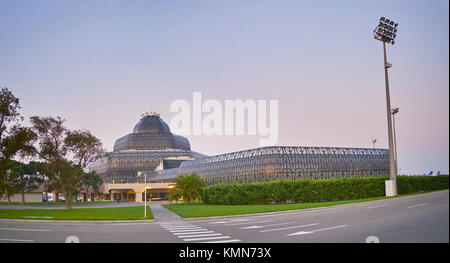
(307, 190)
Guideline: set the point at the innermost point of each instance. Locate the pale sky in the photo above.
(101, 64)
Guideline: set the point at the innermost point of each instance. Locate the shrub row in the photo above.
(307, 190)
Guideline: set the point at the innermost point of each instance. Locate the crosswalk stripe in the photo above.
(205, 238)
(223, 241)
(190, 230)
(202, 232)
(182, 228)
(202, 235)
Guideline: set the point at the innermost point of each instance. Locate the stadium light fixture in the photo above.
(387, 35)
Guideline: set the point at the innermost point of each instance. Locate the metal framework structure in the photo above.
(151, 146)
(271, 163)
(122, 166)
(151, 132)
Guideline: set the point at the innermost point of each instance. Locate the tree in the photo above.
(15, 140)
(7, 184)
(66, 153)
(188, 187)
(91, 182)
(28, 178)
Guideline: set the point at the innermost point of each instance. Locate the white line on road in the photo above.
(284, 228)
(417, 205)
(202, 232)
(224, 241)
(202, 235)
(246, 223)
(190, 230)
(376, 206)
(175, 225)
(279, 224)
(16, 240)
(313, 231)
(205, 238)
(232, 220)
(183, 228)
(22, 229)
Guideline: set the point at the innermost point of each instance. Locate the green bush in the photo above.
(308, 190)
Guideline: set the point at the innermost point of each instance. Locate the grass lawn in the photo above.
(109, 213)
(58, 203)
(203, 210)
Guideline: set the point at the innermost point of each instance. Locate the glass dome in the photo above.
(151, 133)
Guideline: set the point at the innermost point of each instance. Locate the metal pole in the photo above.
(395, 145)
(145, 198)
(388, 105)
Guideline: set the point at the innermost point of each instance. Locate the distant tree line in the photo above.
(57, 157)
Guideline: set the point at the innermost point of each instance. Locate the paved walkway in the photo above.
(163, 215)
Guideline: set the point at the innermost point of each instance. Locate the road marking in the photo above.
(189, 230)
(224, 241)
(23, 229)
(376, 206)
(284, 228)
(173, 225)
(202, 232)
(183, 228)
(232, 220)
(313, 231)
(205, 238)
(16, 240)
(245, 223)
(280, 224)
(203, 235)
(417, 205)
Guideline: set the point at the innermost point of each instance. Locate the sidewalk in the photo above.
(162, 215)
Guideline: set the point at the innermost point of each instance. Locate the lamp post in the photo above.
(145, 192)
(373, 143)
(393, 112)
(386, 31)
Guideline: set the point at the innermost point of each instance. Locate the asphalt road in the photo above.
(418, 218)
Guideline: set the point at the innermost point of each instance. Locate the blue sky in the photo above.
(100, 64)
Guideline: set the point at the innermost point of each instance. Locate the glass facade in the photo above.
(153, 148)
(150, 147)
(271, 163)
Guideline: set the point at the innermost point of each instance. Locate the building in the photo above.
(152, 148)
(34, 196)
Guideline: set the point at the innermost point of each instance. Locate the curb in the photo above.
(303, 209)
(76, 221)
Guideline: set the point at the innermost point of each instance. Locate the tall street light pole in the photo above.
(393, 112)
(145, 191)
(386, 33)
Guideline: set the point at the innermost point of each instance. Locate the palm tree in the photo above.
(188, 187)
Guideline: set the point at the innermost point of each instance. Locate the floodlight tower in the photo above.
(386, 31)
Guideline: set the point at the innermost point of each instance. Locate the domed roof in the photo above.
(151, 133)
(151, 123)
